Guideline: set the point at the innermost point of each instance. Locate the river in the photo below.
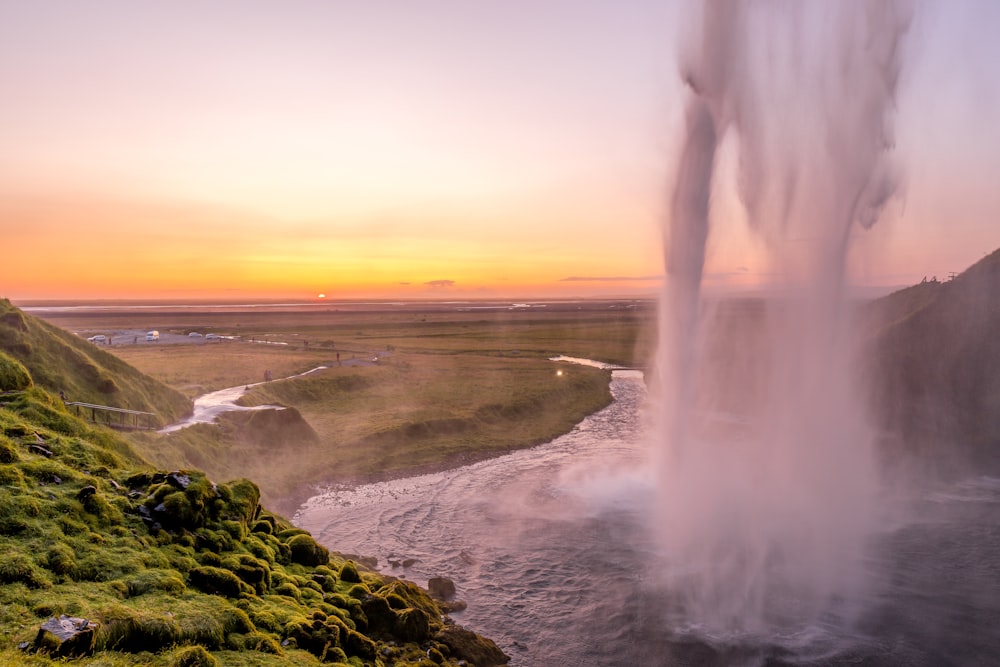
(549, 548)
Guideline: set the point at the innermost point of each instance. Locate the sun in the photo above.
(320, 296)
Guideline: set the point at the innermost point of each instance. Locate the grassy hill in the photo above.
(935, 353)
(59, 361)
(165, 567)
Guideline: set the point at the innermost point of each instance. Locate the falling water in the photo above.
(763, 523)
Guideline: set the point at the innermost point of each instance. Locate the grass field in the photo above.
(450, 385)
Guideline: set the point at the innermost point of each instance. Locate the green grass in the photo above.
(449, 388)
(59, 361)
(410, 412)
(174, 569)
(216, 570)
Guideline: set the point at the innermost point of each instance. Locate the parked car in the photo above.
(99, 338)
(153, 336)
(194, 334)
(212, 337)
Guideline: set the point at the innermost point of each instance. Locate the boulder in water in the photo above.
(441, 588)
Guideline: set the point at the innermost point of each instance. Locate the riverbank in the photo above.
(402, 392)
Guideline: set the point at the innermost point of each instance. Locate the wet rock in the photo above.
(467, 645)
(409, 562)
(66, 636)
(441, 588)
(451, 606)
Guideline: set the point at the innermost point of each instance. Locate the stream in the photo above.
(549, 548)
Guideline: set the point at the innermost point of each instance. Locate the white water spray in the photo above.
(763, 526)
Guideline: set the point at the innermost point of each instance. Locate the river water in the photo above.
(550, 549)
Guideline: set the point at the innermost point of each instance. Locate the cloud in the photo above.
(436, 284)
(607, 279)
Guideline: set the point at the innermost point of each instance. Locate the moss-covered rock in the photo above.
(412, 625)
(218, 581)
(349, 572)
(306, 551)
(193, 656)
(467, 645)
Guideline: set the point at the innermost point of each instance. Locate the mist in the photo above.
(767, 488)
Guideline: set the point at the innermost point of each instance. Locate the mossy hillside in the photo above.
(175, 569)
(936, 369)
(13, 375)
(59, 361)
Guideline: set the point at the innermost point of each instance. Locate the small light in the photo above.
(559, 372)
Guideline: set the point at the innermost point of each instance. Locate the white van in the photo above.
(153, 335)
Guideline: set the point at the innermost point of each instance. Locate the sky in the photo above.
(435, 149)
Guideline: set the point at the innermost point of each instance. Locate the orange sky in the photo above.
(454, 150)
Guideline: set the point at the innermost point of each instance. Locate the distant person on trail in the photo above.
(267, 375)
(338, 358)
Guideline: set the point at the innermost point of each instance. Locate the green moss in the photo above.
(154, 580)
(193, 656)
(13, 375)
(60, 559)
(18, 567)
(358, 591)
(412, 625)
(306, 551)
(132, 631)
(243, 501)
(349, 573)
(252, 571)
(8, 451)
(218, 581)
(287, 589)
(178, 571)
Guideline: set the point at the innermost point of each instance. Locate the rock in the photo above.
(86, 492)
(441, 588)
(467, 645)
(409, 562)
(180, 480)
(38, 449)
(451, 606)
(381, 617)
(67, 636)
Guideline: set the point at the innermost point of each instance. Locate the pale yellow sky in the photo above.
(247, 149)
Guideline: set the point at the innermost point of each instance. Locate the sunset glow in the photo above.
(387, 150)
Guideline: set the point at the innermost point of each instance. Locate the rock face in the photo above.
(67, 636)
(469, 646)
